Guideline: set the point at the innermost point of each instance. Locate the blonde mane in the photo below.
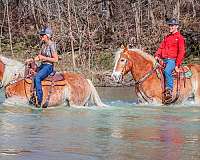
(139, 51)
(13, 70)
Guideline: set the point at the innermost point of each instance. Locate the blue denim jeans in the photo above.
(44, 71)
(169, 80)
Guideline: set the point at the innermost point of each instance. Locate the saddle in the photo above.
(54, 79)
(31, 70)
(184, 72)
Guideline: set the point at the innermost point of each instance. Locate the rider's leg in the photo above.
(44, 71)
(169, 81)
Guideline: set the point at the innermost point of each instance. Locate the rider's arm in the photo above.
(54, 55)
(32, 59)
(181, 51)
(53, 59)
(159, 51)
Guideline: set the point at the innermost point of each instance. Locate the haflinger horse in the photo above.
(148, 78)
(66, 88)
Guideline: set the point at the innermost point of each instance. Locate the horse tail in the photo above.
(95, 96)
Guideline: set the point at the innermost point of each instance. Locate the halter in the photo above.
(144, 77)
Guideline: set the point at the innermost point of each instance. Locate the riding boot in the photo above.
(167, 96)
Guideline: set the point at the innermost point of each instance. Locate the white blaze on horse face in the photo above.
(120, 64)
(115, 74)
(118, 70)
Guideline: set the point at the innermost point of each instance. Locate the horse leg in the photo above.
(197, 93)
(196, 85)
(66, 96)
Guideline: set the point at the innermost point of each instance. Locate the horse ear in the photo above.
(122, 46)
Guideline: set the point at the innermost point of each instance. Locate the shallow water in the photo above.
(121, 132)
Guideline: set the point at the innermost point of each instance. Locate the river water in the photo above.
(123, 131)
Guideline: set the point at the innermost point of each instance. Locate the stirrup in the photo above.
(167, 101)
(167, 96)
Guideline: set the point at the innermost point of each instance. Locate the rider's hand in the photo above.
(177, 69)
(29, 60)
(41, 57)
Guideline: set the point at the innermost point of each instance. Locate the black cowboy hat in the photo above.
(172, 21)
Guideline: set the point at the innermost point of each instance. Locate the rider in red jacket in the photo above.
(172, 51)
(173, 46)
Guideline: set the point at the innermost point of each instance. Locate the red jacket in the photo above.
(173, 46)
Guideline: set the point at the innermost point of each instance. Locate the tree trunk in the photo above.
(70, 35)
(9, 29)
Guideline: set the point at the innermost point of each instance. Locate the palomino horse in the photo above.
(146, 73)
(71, 89)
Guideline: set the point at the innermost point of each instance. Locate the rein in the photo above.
(147, 75)
(137, 83)
(141, 80)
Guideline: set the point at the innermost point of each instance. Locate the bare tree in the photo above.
(70, 34)
(84, 28)
(9, 27)
(1, 35)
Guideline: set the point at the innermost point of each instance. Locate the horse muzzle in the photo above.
(116, 76)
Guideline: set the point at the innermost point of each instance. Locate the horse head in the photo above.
(123, 64)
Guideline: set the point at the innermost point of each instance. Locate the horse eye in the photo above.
(122, 60)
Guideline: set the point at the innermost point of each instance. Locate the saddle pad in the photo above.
(188, 74)
(48, 83)
(185, 72)
(55, 77)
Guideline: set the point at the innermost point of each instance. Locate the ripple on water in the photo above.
(12, 151)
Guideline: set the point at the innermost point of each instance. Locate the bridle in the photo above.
(144, 77)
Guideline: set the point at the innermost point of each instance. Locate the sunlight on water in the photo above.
(123, 131)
